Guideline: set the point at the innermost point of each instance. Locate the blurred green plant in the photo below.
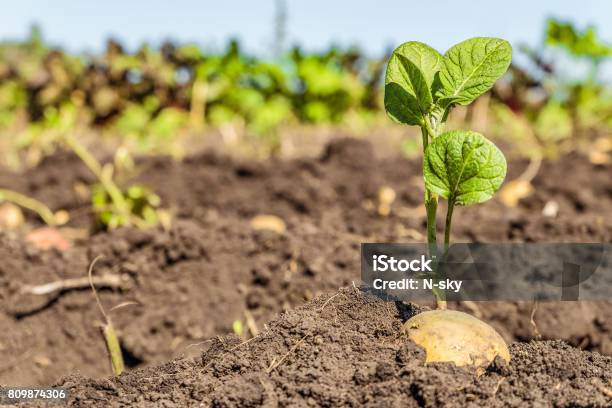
(578, 43)
(115, 207)
(154, 98)
(550, 112)
(151, 96)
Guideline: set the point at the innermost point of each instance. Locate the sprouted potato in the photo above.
(421, 87)
(450, 335)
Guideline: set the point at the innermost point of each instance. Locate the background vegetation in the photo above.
(152, 99)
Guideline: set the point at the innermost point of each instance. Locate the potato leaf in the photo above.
(470, 68)
(408, 82)
(401, 106)
(463, 167)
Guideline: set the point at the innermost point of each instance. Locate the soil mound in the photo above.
(344, 350)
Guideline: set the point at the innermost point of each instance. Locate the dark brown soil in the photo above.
(344, 350)
(211, 269)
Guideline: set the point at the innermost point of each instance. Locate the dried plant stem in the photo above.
(275, 364)
(113, 347)
(532, 168)
(532, 321)
(110, 335)
(29, 203)
(251, 324)
(110, 281)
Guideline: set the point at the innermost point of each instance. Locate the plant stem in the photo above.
(447, 227)
(440, 302)
(431, 206)
(94, 166)
(110, 335)
(197, 111)
(440, 297)
(114, 348)
(431, 200)
(31, 204)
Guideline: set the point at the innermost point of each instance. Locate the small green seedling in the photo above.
(422, 86)
(141, 202)
(238, 328)
(116, 207)
(108, 330)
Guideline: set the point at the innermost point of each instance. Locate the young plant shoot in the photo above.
(422, 86)
(114, 206)
(108, 330)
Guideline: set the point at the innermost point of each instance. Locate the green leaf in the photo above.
(463, 167)
(401, 106)
(410, 75)
(470, 68)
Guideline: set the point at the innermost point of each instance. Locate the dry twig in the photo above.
(275, 364)
(250, 322)
(107, 280)
(537, 333)
(327, 301)
(501, 380)
(108, 330)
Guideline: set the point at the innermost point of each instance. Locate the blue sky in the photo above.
(372, 24)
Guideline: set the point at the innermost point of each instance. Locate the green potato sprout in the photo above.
(422, 86)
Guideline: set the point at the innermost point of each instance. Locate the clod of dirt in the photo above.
(457, 337)
(47, 238)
